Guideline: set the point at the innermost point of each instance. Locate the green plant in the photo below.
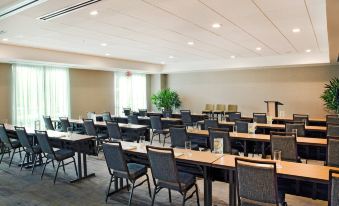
(166, 99)
(331, 95)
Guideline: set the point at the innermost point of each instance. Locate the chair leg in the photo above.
(34, 162)
(197, 193)
(2, 155)
(75, 167)
(159, 138)
(154, 193)
(56, 173)
(63, 166)
(23, 161)
(43, 170)
(20, 153)
(10, 162)
(109, 187)
(53, 164)
(169, 195)
(183, 199)
(131, 194)
(149, 186)
(152, 138)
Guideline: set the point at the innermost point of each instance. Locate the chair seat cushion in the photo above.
(102, 136)
(186, 180)
(162, 131)
(62, 154)
(136, 170)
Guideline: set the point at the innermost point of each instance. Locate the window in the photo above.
(130, 91)
(38, 91)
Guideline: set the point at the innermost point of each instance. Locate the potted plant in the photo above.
(166, 100)
(331, 95)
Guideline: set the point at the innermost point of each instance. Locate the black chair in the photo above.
(119, 168)
(299, 126)
(166, 113)
(8, 144)
(91, 130)
(114, 131)
(179, 136)
(165, 174)
(224, 134)
(127, 111)
(106, 116)
(142, 112)
(301, 118)
(286, 142)
(332, 119)
(333, 188)
(260, 118)
(48, 123)
(257, 183)
(242, 127)
(332, 157)
(234, 116)
(133, 119)
(333, 130)
(211, 123)
(59, 155)
(157, 128)
(186, 117)
(28, 146)
(65, 124)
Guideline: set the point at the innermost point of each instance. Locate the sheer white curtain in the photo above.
(130, 91)
(38, 91)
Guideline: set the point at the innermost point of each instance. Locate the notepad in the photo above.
(178, 154)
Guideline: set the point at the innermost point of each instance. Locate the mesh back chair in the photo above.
(260, 118)
(332, 119)
(213, 123)
(48, 123)
(224, 134)
(232, 108)
(114, 131)
(165, 174)
(106, 116)
(91, 130)
(333, 130)
(333, 188)
(59, 155)
(186, 117)
(234, 116)
(64, 124)
(257, 183)
(242, 127)
(143, 112)
(119, 168)
(220, 109)
(133, 119)
(90, 115)
(287, 143)
(178, 135)
(157, 128)
(299, 126)
(332, 157)
(8, 144)
(301, 118)
(28, 146)
(208, 109)
(127, 111)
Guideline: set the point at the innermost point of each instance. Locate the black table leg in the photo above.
(232, 188)
(82, 161)
(263, 150)
(245, 149)
(207, 186)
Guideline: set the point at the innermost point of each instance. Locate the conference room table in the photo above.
(166, 121)
(83, 145)
(209, 161)
(313, 121)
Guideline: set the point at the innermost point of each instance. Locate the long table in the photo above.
(81, 144)
(210, 161)
(146, 121)
(314, 121)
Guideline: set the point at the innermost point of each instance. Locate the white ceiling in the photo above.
(153, 30)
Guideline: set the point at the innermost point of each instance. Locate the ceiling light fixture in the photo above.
(108, 54)
(171, 57)
(232, 57)
(296, 30)
(258, 48)
(190, 43)
(216, 25)
(103, 44)
(308, 50)
(94, 13)
(162, 62)
(4, 39)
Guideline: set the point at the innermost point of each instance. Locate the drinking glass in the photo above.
(69, 131)
(277, 157)
(37, 124)
(80, 117)
(142, 143)
(235, 129)
(295, 132)
(188, 147)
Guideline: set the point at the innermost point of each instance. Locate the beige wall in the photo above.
(91, 91)
(299, 88)
(5, 92)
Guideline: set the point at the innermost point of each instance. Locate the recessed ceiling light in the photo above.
(216, 25)
(171, 57)
(162, 62)
(258, 48)
(308, 50)
(103, 44)
(108, 54)
(190, 43)
(94, 13)
(296, 30)
(232, 57)
(4, 39)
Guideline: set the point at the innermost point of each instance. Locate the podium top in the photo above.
(276, 102)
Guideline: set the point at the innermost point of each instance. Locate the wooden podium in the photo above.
(272, 108)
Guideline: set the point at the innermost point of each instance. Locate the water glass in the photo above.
(37, 124)
(188, 147)
(80, 117)
(69, 131)
(295, 132)
(235, 129)
(142, 143)
(277, 157)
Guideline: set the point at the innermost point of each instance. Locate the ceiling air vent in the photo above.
(67, 10)
(18, 6)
